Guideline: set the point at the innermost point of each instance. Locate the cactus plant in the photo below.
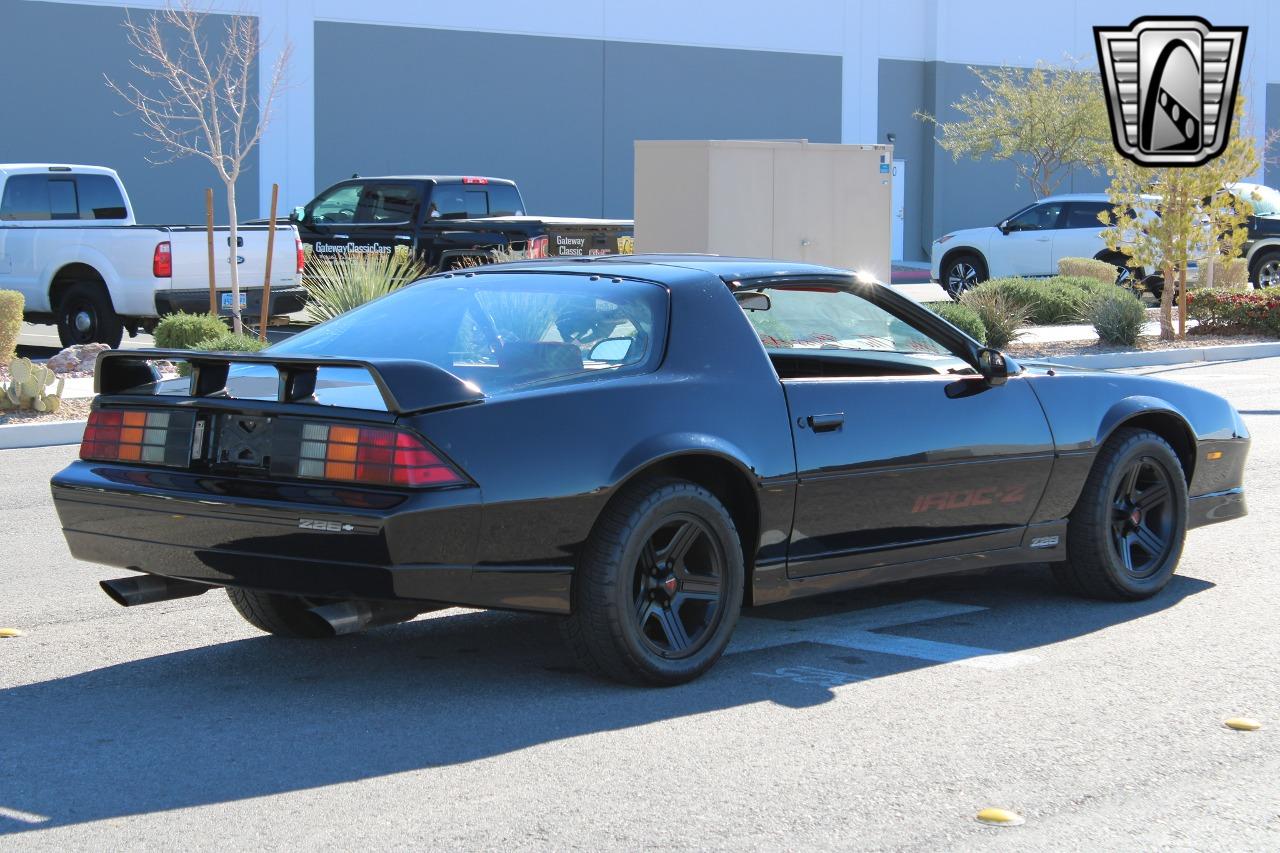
(28, 384)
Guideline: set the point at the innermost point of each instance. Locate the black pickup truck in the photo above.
(447, 221)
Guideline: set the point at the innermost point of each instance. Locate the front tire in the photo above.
(86, 316)
(962, 272)
(1125, 534)
(659, 586)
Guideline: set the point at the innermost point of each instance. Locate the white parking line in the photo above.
(21, 816)
(856, 630)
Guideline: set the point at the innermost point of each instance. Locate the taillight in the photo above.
(138, 435)
(539, 247)
(162, 260)
(374, 455)
(475, 180)
(302, 256)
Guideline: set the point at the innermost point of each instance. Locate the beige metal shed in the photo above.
(792, 200)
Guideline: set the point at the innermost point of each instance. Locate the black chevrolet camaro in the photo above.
(641, 445)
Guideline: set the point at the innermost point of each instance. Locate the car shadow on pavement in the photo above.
(261, 716)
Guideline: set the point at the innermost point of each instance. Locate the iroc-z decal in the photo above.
(964, 498)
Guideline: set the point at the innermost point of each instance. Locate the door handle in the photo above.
(403, 237)
(1042, 239)
(826, 423)
(342, 236)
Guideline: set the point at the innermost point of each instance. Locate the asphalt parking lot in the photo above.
(882, 719)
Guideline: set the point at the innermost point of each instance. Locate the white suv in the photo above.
(1028, 243)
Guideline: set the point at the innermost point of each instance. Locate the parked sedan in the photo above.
(639, 445)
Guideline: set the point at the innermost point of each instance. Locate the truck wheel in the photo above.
(86, 316)
(1265, 269)
(1125, 535)
(282, 615)
(658, 590)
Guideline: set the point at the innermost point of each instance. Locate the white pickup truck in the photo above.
(69, 244)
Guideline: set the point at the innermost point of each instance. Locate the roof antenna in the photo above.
(355, 174)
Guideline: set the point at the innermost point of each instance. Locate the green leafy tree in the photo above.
(1045, 120)
(1166, 218)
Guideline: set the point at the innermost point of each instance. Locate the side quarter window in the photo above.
(1084, 214)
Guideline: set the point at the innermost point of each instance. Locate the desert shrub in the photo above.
(1252, 311)
(11, 305)
(1118, 317)
(226, 341)
(1048, 301)
(1100, 271)
(1231, 275)
(1001, 314)
(230, 342)
(335, 285)
(961, 316)
(184, 331)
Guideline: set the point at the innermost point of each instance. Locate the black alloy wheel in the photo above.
(1142, 519)
(1125, 535)
(658, 586)
(677, 587)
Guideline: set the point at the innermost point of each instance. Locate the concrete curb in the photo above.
(48, 434)
(1152, 358)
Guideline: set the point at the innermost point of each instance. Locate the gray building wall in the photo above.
(558, 115)
(58, 109)
(944, 194)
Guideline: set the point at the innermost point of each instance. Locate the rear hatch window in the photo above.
(499, 331)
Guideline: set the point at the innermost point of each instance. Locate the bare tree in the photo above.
(202, 101)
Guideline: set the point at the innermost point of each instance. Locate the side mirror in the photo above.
(611, 349)
(1004, 227)
(992, 366)
(753, 300)
(297, 214)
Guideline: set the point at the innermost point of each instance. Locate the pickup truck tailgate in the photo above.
(191, 257)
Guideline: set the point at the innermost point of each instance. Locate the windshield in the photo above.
(503, 331)
(821, 317)
(1265, 200)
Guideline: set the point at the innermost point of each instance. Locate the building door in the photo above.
(899, 204)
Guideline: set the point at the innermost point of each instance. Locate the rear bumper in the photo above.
(415, 546)
(1215, 507)
(283, 300)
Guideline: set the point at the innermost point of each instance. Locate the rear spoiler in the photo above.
(406, 385)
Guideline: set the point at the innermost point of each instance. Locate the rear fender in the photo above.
(662, 447)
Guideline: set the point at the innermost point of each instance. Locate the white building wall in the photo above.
(985, 32)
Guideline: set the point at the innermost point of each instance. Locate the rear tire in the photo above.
(86, 316)
(1125, 534)
(1265, 269)
(282, 615)
(658, 589)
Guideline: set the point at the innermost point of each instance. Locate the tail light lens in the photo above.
(162, 260)
(302, 256)
(539, 247)
(138, 435)
(373, 455)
